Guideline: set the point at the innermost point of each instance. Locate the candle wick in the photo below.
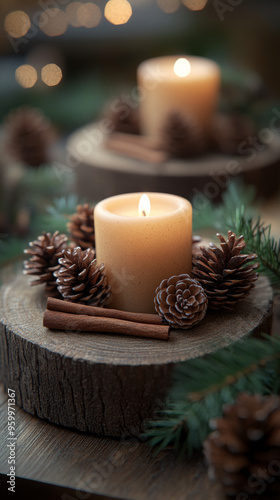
(144, 213)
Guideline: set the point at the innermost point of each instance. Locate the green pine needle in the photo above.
(206, 214)
(203, 386)
(258, 240)
(57, 215)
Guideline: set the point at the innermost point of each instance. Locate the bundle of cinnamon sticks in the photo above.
(68, 316)
(136, 146)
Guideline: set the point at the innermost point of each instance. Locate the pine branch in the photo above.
(258, 240)
(202, 386)
(206, 214)
(57, 215)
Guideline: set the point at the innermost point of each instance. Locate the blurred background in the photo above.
(92, 56)
(68, 58)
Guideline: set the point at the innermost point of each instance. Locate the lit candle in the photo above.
(141, 241)
(188, 85)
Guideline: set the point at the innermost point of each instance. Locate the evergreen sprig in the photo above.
(258, 240)
(57, 215)
(217, 216)
(203, 385)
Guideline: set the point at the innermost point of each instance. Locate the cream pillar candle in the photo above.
(188, 85)
(140, 247)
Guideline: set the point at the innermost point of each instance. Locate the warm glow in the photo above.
(182, 67)
(168, 6)
(89, 15)
(17, 24)
(118, 11)
(26, 76)
(51, 75)
(144, 207)
(195, 4)
(53, 22)
(72, 13)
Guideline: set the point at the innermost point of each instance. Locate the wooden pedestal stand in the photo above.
(101, 173)
(105, 384)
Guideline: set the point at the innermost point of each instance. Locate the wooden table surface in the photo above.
(102, 466)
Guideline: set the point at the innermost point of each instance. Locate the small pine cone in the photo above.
(123, 118)
(45, 252)
(180, 301)
(81, 227)
(230, 131)
(28, 136)
(80, 279)
(225, 274)
(243, 452)
(182, 136)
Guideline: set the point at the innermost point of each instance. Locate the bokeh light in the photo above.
(53, 22)
(182, 67)
(51, 75)
(71, 12)
(26, 76)
(169, 6)
(89, 15)
(195, 4)
(118, 11)
(17, 23)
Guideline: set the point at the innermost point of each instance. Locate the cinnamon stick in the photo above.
(56, 320)
(136, 148)
(72, 308)
(140, 140)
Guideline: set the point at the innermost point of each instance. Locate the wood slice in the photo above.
(101, 173)
(105, 384)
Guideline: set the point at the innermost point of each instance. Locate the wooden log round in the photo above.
(101, 173)
(105, 384)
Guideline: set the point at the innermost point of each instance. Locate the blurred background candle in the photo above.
(188, 85)
(141, 241)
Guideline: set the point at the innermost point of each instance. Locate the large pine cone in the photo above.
(244, 451)
(228, 132)
(80, 279)
(123, 117)
(45, 252)
(182, 137)
(225, 274)
(81, 227)
(28, 136)
(180, 301)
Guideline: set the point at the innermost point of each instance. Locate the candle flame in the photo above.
(144, 207)
(182, 67)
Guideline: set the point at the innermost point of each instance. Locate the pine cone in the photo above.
(230, 131)
(225, 274)
(243, 452)
(182, 137)
(45, 252)
(80, 279)
(180, 301)
(81, 227)
(28, 136)
(123, 118)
